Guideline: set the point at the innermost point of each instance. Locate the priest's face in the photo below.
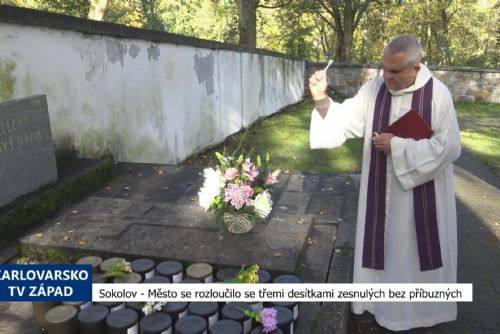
(397, 74)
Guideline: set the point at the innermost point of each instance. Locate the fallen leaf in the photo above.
(334, 238)
(108, 188)
(39, 234)
(160, 172)
(340, 219)
(287, 171)
(74, 211)
(322, 213)
(311, 241)
(278, 254)
(71, 231)
(126, 188)
(82, 242)
(300, 221)
(66, 238)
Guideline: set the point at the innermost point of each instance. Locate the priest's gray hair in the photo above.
(409, 45)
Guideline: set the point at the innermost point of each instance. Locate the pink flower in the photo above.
(271, 179)
(250, 170)
(231, 173)
(238, 195)
(269, 319)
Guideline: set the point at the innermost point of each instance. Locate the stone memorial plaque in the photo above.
(27, 159)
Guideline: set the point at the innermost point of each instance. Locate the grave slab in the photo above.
(27, 160)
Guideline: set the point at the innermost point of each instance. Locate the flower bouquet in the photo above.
(267, 317)
(238, 190)
(246, 275)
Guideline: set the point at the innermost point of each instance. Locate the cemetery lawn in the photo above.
(480, 131)
(286, 136)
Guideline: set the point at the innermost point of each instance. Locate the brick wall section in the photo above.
(465, 83)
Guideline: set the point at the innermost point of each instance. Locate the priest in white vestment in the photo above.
(408, 164)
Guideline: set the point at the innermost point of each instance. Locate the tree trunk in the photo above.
(247, 22)
(97, 9)
(348, 32)
(446, 38)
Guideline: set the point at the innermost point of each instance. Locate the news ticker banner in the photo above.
(277, 292)
(74, 283)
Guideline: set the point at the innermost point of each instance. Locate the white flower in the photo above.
(263, 204)
(214, 182)
(150, 307)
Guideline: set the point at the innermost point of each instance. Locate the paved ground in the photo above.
(152, 210)
(327, 204)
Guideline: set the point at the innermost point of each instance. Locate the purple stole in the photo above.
(424, 197)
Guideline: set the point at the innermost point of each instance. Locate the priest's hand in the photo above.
(318, 84)
(382, 142)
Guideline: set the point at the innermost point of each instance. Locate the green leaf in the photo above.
(259, 161)
(222, 159)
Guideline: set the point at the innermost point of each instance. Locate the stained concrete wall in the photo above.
(143, 96)
(465, 83)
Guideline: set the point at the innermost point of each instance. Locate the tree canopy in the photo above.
(452, 32)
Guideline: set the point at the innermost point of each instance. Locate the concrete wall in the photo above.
(144, 96)
(465, 84)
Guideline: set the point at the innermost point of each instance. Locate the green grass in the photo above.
(285, 136)
(480, 131)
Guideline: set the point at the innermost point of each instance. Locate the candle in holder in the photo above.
(124, 321)
(170, 269)
(93, 319)
(200, 271)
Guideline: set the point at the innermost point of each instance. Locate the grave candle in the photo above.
(226, 326)
(170, 269)
(176, 310)
(62, 320)
(144, 267)
(156, 323)
(200, 271)
(124, 321)
(94, 261)
(233, 311)
(93, 319)
(207, 310)
(191, 324)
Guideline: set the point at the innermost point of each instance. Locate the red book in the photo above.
(410, 125)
